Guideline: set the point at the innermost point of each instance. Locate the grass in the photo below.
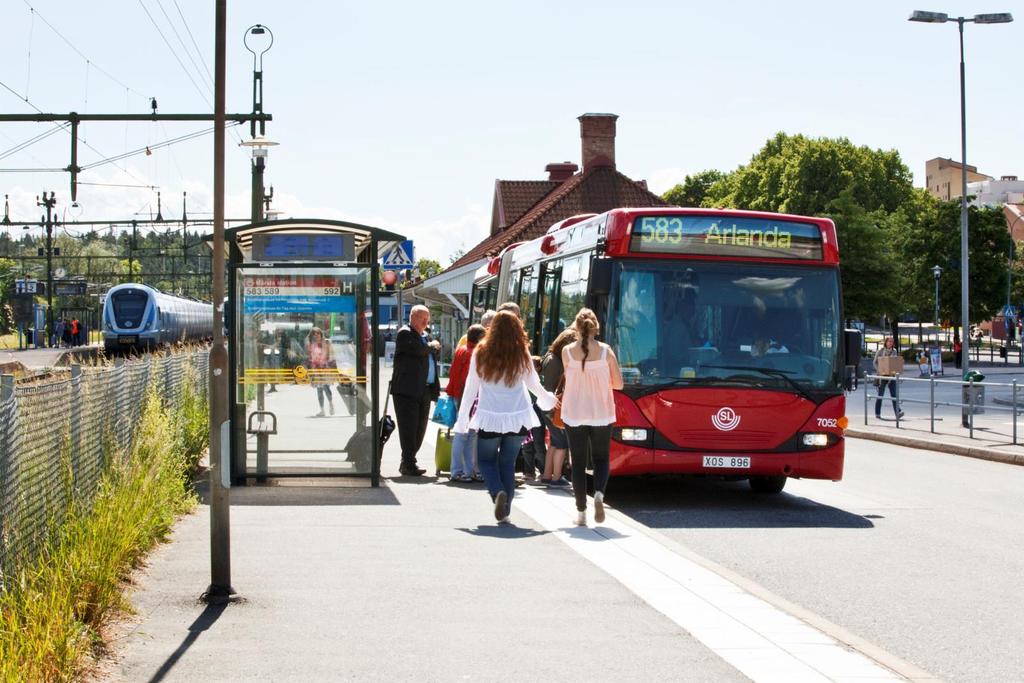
(10, 341)
(54, 609)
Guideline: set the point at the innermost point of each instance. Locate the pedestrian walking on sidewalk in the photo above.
(500, 379)
(463, 445)
(551, 371)
(58, 333)
(588, 410)
(888, 350)
(414, 385)
(320, 357)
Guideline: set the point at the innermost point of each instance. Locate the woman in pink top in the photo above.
(588, 410)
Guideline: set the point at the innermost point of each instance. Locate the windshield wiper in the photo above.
(771, 372)
(687, 381)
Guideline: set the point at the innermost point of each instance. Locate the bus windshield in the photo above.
(697, 323)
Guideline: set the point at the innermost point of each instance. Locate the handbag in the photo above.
(444, 411)
(556, 414)
(387, 423)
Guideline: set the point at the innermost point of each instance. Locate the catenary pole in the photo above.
(220, 522)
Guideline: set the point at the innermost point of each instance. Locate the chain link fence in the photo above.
(56, 437)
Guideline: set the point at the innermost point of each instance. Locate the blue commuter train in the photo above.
(139, 316)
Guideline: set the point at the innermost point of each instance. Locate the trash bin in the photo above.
(1002, 352)
(978, 391)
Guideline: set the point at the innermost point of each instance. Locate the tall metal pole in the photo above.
(49, 203)
(220, 521)
(964, 260)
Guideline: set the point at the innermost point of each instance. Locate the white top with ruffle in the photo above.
(501, 408)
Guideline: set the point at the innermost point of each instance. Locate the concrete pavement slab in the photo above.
(412, 581)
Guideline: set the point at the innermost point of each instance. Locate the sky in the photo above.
(401, 115)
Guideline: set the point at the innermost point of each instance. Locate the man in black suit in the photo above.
(414, 385)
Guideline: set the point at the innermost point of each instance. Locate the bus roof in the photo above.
(615, 229)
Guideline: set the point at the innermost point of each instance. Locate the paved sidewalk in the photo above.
(411, 581)
(416, 581)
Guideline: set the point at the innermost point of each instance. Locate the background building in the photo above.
(943, 177)
(525, 209)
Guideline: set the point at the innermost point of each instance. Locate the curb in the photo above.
(977, 452)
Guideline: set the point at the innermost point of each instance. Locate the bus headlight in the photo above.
(632, 434)
(816, 440)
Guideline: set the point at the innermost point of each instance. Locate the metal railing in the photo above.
(969, 407)
(56, 437)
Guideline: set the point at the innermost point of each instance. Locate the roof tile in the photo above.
(600, 189)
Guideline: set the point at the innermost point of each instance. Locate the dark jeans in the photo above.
(881, 392)
(588, 443)
(497, 460)
(412, 415)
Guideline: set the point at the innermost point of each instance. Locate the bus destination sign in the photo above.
(726, 236)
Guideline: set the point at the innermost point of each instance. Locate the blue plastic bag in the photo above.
(444, 412)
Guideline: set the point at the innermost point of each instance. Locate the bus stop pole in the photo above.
(220, 521)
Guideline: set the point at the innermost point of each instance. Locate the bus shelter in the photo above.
(302, 301)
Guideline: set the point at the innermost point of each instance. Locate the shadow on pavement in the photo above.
(202, 623)
(304, 492)
(503, 531)
(671, 502)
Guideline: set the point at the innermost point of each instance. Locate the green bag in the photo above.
(443, 452)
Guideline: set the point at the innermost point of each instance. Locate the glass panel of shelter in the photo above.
(303, 369)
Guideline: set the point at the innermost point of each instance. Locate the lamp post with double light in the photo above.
(942, 18)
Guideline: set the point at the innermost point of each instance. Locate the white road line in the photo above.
(760, 640)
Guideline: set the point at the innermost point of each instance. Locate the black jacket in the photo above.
(412, 367)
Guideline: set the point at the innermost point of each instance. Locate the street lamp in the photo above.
(937, 273)
(941, 18)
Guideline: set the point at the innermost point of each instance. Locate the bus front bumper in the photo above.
(824, 463)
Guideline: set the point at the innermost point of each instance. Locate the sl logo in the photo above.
(725, 420)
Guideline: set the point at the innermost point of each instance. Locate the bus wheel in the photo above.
(767, 484)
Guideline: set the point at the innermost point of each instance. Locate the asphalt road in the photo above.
(917, 552)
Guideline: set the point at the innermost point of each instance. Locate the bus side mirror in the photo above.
(852, 344)
(601, 277)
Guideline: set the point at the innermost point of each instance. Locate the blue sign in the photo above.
(300, 304)
(401, 257)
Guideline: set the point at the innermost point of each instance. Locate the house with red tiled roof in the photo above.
(525, 209)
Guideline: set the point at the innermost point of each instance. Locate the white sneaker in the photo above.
(321, 413)
(581, 518)
(599, 507)
(331, 404)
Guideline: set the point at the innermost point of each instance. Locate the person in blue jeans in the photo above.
(500, 379)
(463, 445)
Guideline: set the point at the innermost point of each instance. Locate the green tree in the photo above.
(693, 189)
(428, 268)
(857, 187)
(931, 237)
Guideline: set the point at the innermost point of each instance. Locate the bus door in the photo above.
(550, 322)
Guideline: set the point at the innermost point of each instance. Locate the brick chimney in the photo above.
(559, 173)
(598, 135)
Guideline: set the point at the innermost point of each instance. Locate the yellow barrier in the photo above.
(300, 375)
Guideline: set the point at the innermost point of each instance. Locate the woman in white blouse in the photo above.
(500, 376)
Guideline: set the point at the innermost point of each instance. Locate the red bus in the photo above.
(728, 326)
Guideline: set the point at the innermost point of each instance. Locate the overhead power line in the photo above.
(71, 45)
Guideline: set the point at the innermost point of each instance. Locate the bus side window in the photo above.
(527, 301)
(550, 288)
(570, 298)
